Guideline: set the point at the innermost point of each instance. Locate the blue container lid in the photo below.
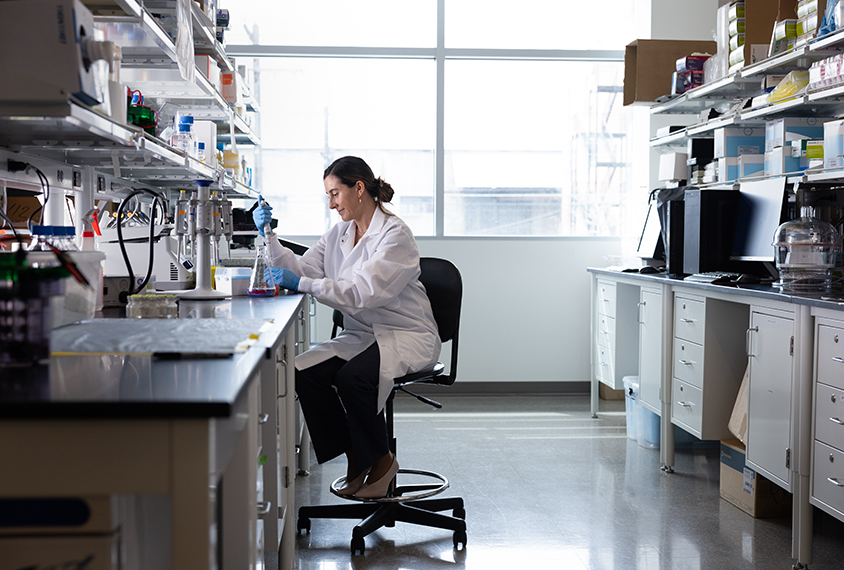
(187, 119)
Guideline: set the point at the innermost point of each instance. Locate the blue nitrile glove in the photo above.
(282, 277)
(262, 215)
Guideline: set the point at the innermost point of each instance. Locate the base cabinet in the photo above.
(650, 348)
(770, 390)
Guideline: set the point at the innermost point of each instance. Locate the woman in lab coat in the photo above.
(366, 266)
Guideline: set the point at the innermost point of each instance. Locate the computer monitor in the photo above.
(650, 242)
(760, 212)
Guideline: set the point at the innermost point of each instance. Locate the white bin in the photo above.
(631, 405)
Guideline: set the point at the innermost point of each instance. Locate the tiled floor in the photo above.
(547, 486)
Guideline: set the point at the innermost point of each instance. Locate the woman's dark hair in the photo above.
(351, 169)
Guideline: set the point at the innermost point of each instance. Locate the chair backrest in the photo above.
(444, 287)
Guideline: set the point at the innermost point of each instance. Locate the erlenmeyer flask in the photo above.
(258, 286)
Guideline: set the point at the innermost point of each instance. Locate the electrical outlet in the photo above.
(77, 179)
(100, 184)
(60, 175)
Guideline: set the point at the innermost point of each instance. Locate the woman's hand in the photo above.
(282, 277)
(262, 215)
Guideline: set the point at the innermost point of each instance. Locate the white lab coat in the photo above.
(375, 284)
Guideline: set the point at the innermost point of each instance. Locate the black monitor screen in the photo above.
(760, 212)
(650, 242)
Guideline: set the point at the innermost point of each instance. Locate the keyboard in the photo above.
(713, 277)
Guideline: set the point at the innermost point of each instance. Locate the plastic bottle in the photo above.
(184, 139)
(42, 236)
(68, 242)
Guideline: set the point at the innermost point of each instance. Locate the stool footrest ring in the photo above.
(402, 493)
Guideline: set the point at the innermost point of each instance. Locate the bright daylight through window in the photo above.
(523, 134)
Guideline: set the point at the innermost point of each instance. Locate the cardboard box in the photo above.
(672, 166)
(648, 65)
(777, 130)
(779, 161)
(738, 419)
(728, 169)
(751, 165)
(735, 141)
(746, 489)
(833, 144)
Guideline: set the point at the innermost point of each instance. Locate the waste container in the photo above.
(631, 405)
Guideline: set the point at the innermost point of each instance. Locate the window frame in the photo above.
(440, 54)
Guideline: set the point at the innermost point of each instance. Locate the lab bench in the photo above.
(215, 434)
(691, 344)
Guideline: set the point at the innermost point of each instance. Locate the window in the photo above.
(481, 136)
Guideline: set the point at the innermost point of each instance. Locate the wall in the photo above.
(526, 305)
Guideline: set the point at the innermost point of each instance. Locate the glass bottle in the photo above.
(258, 286)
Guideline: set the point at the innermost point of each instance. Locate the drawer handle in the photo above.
(684, 404)
(838, 359)
(834, 481)
(264, 508)
(836, 421)
(687, 320)
(687, 362)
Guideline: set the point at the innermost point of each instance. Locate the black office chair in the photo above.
(410, 503)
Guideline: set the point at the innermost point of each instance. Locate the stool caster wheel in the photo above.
(459, 538)
(358, 546)
(459, 513)
(303, 523)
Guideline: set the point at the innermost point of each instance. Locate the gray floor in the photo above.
(546, 486)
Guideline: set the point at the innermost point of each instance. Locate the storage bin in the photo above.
(631, 405)
(648, 429)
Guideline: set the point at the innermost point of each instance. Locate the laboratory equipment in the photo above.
(25, 314)
(261, 283)
(48, 50)
(204, 215)
(168, 270)
(806, 251)
(90, 226)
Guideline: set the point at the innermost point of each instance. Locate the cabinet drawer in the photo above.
(686, 406)
(828, 476)
(688, 319)
(688, 362)
(829, 416)
(830, 344)
(605, 302)
(605, 331)
(606, 365)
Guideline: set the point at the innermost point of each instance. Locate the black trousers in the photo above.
(340, 401)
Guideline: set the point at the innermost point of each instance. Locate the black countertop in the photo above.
(98, 385)
(832, 299)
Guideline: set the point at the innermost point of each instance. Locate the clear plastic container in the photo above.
(153, 306)
(806, 251)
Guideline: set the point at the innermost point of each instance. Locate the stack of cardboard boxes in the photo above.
(780, 134)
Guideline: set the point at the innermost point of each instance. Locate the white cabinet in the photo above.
(708, 363)
(827, 486)
(650, 348)
(770, 392)
(615, 343)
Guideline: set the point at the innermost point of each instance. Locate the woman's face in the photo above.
(342, 198)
